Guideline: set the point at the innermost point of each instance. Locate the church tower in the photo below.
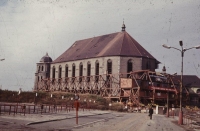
(43, 70)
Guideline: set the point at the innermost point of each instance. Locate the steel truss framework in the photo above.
(138, 87)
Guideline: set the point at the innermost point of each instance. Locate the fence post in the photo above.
(34, 109)
(9, 109)
(42, 106)
(16, 108)
(24, 108)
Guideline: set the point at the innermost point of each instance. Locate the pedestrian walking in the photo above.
(150, 112)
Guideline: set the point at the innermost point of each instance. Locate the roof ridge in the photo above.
(96, 36)
(122, 42)
(108, 45)
(147, 55)
(134, 44)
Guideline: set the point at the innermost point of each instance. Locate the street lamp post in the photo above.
(36, 98)
(182, 50)
(167, 104)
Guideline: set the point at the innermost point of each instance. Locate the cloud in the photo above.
(29, 29)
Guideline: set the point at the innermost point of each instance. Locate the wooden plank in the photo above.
(126, 83)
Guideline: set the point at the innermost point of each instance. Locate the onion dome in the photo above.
(46, 58)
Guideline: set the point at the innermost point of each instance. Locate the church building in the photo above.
(90, 61)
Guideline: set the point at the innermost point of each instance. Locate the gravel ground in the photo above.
(133, 122)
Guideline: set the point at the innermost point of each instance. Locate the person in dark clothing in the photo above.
(150, 112)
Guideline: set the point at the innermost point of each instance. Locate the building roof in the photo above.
(46, 58)
(115, 44)
(189, 80)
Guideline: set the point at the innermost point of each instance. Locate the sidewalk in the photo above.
(47, 117)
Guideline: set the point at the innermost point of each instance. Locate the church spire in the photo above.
(123, 26)
(164, 69)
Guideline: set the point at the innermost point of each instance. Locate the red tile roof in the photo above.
(115, 44)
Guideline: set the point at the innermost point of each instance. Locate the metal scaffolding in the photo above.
(138, 87)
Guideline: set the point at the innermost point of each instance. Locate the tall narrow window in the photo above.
(38, 68)
(60, 72)
(109, 66)
(53, 72)
(73, 72)
(80, 72)
(88, 71)
(66, 71)
(97, 71)
(42, 68)
(147, 65)
(129, 67)
(109, 69)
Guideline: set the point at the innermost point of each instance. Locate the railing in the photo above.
(9, 108)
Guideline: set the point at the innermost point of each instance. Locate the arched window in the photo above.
(88, 71)
(60, 72)
(109, 66)
(73, 72)
(53, 72)
(80, 72)
(66, 71)
(97, 71)
(129, 67)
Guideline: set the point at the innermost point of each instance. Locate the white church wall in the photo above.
(102, 66)
(137, 63)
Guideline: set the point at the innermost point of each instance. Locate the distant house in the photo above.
(192, 84)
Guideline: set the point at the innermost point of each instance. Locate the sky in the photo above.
(31, 28)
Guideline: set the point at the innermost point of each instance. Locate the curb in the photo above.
(87, 123)
(38, 122)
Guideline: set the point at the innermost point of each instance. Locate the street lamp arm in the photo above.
(176, 49)
(168, 47)
(197, 47)
(188, 48)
